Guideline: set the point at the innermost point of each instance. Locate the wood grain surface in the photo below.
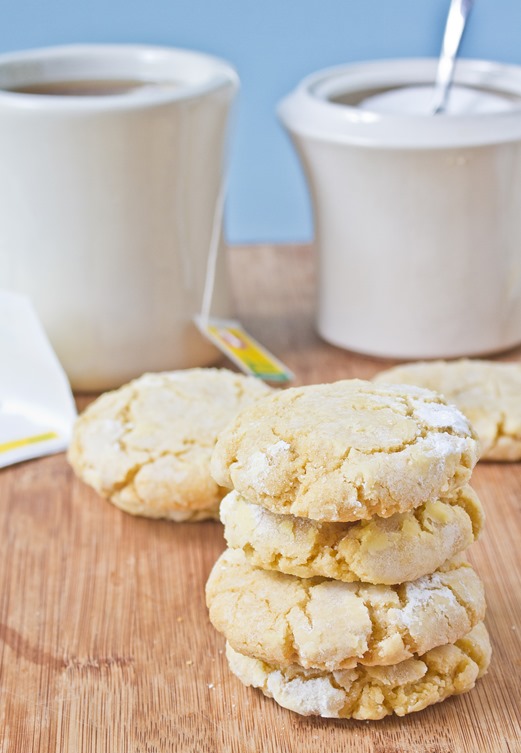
(105, 643)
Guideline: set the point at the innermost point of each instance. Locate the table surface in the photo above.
(105, 644)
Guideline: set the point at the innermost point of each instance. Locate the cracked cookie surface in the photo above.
(327, 624)
(346, 451)
(371, 692)
(487, 392)
(387, 551)
(147, 446)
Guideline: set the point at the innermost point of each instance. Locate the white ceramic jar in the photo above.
(417, 217)
(107, 204)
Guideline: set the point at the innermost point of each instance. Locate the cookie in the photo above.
(346, 451)
(487, 392)
(147, 446)
(371, 692)
(326, 624)
(381, 550)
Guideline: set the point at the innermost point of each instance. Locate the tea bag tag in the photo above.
(228, 335)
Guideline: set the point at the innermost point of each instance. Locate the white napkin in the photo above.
(37, 409)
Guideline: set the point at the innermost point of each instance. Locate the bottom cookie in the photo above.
(371, 692)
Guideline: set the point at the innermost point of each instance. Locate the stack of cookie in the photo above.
(344, 592)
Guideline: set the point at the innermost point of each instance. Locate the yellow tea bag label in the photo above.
(15, 444)
(247, 353)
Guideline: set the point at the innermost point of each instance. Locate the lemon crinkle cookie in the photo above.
(147, 446)
(346, 451)
(390, 550)
(487, 392)
(371, 692)
(328, 624)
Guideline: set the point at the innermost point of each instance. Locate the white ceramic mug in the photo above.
(417, 217)
(108, 202)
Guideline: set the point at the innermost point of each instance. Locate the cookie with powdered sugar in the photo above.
(487, 392)
(388, 551)
(147, 446)
(371, 692)
(327, 624)
(346, 451)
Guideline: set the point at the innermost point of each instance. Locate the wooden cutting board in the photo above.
(105, 643)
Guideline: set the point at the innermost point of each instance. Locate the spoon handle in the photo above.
(457, 18)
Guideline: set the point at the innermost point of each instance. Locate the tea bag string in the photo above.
(213, 252)
(180, 201)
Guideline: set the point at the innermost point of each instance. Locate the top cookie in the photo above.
(487, 392)
(346, 451)
(147, 445)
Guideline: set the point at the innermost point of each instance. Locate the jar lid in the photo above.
(326, 106)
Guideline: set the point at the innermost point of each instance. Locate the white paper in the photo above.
(37, 408)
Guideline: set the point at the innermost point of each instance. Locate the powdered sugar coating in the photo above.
(259, 464)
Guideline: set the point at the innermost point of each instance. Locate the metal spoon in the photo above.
(457, 18)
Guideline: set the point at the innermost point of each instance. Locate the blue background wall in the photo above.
(273, 44)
